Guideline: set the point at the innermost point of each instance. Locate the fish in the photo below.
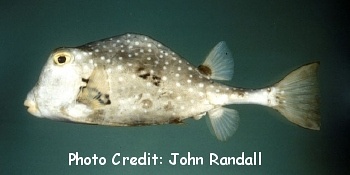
(134, 80)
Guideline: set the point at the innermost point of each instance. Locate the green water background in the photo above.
(268, 39)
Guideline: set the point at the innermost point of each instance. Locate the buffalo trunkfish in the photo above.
(132, 79)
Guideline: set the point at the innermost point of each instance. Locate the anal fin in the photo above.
(223, 122)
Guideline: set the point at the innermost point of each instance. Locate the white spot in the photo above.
(90, 53)
(159, 45)
(201, 85)
(102, 58)
(149, 84)
(180, 61)
(96, 50)
(91, 61)
(136, 53)
(201, 94)
(120, 79)
(95, 64)
(109, 70)
(166, 54)
(122, 50)
(174, 58)
(129, 55)
(110, 50)
(120, 67)
(104, 46)
(120, 58)
(141, 50)
(217, 90)
(178, 68)
(164, 78)
(189, 81)
(164, 67)
(128, 41)
(118, 41)
(137, 43)
(148, 58)
(190, 75)
(129, 64)
(149, 50)
(160, 56)
(108, 60)
(149, 45)
(84, 53)
(190, 68)
(133, 76)
(166, 63)
(130, 47)
(178, 97)
(145, 38)
(177, 75)
(190, 89)
(128, 35)
(151, 71)
(182, 107)
(114, 44)
(122, 46)
(156, 62)
(178, 84)
(78, 57)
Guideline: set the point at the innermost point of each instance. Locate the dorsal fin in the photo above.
(219, 63)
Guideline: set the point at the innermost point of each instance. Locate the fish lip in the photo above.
(32, 106)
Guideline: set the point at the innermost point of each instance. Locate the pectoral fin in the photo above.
(96, 92)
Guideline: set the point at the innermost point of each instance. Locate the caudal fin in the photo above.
(297, 96)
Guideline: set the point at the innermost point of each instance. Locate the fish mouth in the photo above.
(32, 107)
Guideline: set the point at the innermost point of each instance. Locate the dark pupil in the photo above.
(61, 59)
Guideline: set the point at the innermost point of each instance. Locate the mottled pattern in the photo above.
(134, 80)
(149, 83)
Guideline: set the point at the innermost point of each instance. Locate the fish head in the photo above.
(58, 85)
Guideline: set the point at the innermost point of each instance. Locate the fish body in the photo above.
(132, 79)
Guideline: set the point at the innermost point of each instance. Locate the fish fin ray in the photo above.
(223, 122)
(219, 63)
(298, 96)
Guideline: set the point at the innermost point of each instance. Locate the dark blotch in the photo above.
(175, 121)
(205, 70)
(85, 80)
(140, 69)
(145, 76)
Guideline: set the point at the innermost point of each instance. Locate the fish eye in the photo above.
(62, 58)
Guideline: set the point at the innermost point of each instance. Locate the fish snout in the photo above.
(32, 107)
